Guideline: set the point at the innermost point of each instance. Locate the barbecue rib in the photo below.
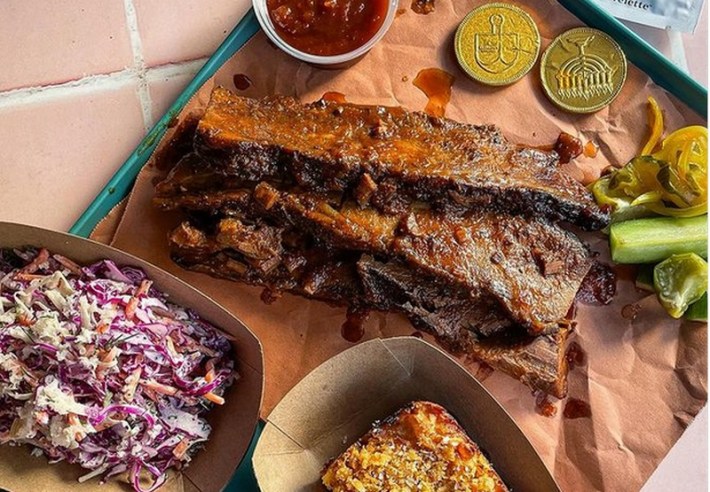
(342, 278)
(380, 208)
(530, 268)
(388, 156)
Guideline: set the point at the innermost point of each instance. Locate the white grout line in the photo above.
(93, 83)
(139, 63)
(31, 95)
(171, 70)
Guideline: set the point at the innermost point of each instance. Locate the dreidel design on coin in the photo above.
(497, 43)
(498, 50)
(585, 75)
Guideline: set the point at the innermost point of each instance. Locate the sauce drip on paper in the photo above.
(590, 149)
(599, 286)
(269, 296)
(436, 84)
(568, 147)
(543, 405)
(423, 6)
(353, 329)
(575, 355)
(577, 409)
(630, 311)
(241, 81)
(332, 96)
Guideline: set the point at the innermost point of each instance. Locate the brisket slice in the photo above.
(529, 268)
(539, 362)
(365, 282)
(397, 156)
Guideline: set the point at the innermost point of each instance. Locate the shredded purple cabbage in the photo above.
(98, 368)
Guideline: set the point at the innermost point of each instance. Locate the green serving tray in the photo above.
(638, 51)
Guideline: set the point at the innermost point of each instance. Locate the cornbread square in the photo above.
(419, 448)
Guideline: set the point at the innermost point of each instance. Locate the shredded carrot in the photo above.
(107, 357)
(68, 264)
(218, 400)
(131, 307)
(181, 449)
(159, 387)
(104, 425)
(27, 276)
(72, 419)
(150, 394)
(209, 377)
(143, 288)
(102, 328)
(34, 265)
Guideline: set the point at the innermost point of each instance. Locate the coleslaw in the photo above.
(97, 368)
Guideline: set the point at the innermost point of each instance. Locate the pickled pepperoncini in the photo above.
(680, 281)
(669, 178)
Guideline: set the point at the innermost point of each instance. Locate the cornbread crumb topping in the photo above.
(419, 448)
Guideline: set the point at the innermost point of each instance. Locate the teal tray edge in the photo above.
(639, 52)
(121, 183)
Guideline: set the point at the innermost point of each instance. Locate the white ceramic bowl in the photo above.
(262, 14)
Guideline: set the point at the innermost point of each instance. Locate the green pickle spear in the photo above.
(698, 311)
(680, 281)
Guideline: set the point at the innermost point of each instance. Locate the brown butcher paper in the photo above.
(643, 378)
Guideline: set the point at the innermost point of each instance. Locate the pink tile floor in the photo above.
(81, 81)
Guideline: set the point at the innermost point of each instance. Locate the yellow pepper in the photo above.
(672, 181)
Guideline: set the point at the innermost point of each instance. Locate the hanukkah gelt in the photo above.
(497, 43)
(583, 70)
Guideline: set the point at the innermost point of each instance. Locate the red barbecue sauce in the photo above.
(577, 409)
(327, 27)
(241, 81)
(423, 6)
(599, 286)
(543, 405)
(436, 84)
(568, 147)
(336, 97)
(353, 329)
(575, 355)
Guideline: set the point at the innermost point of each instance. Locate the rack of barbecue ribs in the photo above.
(378, 208)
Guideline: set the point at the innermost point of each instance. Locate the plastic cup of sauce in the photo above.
(328, 33)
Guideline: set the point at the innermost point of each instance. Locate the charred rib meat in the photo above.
(462, 325)
(403, 156)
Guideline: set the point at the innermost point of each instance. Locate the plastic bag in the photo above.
(677, 15)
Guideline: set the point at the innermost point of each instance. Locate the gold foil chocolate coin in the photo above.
(497, 43)
(583, 70)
